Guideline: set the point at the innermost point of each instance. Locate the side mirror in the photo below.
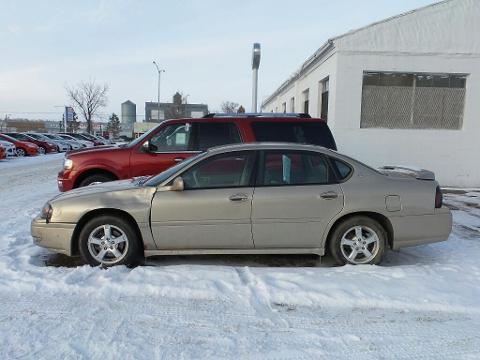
(148, 147)
(177, 184)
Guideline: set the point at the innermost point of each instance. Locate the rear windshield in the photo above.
(316, 133)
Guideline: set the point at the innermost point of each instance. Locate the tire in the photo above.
(122, 249)
(21, 152)
(358, 240)
(42, 150)
(95, 178)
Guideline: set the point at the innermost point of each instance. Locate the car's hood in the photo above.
(97, 189)
(95, 149)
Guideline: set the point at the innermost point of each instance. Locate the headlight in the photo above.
(47, 212)
(68, 164)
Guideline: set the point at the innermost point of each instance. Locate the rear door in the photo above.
(295, 197)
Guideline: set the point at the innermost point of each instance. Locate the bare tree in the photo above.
(88, 97)
(229, 107)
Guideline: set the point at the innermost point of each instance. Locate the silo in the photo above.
(129, 114)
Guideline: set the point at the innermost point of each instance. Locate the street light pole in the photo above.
(158, 93)
(255, 66)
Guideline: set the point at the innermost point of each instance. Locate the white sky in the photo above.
(204, 46)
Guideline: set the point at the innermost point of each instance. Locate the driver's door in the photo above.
(213, 211)
(170, 145)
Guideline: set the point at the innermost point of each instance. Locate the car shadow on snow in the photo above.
(60, 260)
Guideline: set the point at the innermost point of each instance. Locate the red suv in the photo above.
(173, 141)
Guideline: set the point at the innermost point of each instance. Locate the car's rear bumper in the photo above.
(421, 229)
(54, 236)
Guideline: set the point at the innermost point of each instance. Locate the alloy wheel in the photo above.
(359, 244)
(20, 152)
(108, 244)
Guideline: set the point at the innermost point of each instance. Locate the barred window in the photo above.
(412, 100)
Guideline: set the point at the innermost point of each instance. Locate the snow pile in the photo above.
(424, 302)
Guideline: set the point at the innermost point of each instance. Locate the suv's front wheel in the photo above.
(109, 240)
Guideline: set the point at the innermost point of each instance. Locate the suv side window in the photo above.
(221, 171)
(316, 133)
(215, 134)
(287, 167)
(172, 138)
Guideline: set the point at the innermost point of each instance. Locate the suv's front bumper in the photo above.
(54, 236)
(65, 180)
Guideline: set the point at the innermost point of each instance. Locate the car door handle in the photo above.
(178, 160)
(238, 197)
(328, 195)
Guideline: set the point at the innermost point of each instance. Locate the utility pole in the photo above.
(158, 93)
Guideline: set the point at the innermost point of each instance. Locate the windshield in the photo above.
(142, 137)
(20, 136)
(164, 175)
(36, 136)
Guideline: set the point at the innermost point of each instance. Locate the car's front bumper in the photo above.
(65, 180)
(421, 229)
(54, 236)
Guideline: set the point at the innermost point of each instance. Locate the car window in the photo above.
(316, 133)
(216, 134)
(343, 169)
(223, 171)
(172, 138)
(294, 168)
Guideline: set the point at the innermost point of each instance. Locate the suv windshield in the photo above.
(142, 137)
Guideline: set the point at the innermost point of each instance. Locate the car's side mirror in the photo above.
(149, 147)
(177, 184)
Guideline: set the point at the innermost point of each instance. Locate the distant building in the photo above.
(21, 125)
(175, 110)
(129, 114)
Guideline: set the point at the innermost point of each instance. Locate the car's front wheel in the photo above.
(358, 240)
(108, 241)
(20, 152)
(42, 150)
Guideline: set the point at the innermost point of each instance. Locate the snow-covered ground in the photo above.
(422, 303)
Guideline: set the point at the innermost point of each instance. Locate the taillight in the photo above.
(438, 197)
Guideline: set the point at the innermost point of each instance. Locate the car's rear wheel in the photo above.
(358, 240)
(20, 152)
(42, 150)
(95, 179)
(108, 241)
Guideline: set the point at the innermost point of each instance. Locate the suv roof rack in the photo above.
(255, 115)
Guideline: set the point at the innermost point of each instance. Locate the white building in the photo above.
(403, 91)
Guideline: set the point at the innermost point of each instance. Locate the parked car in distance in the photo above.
(83, 142)
(10, 149)
(257, 198)
(44, 145)
(85, 137)
(23, 148)
(173, 141)
(67, 144)
(55, 145)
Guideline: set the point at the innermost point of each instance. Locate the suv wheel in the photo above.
(358, 240)
(95, 179)
(108, 241)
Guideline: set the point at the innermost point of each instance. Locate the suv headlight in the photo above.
(67, 164)
(47, 212)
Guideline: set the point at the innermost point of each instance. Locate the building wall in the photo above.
(450, 153)
(311, 81)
